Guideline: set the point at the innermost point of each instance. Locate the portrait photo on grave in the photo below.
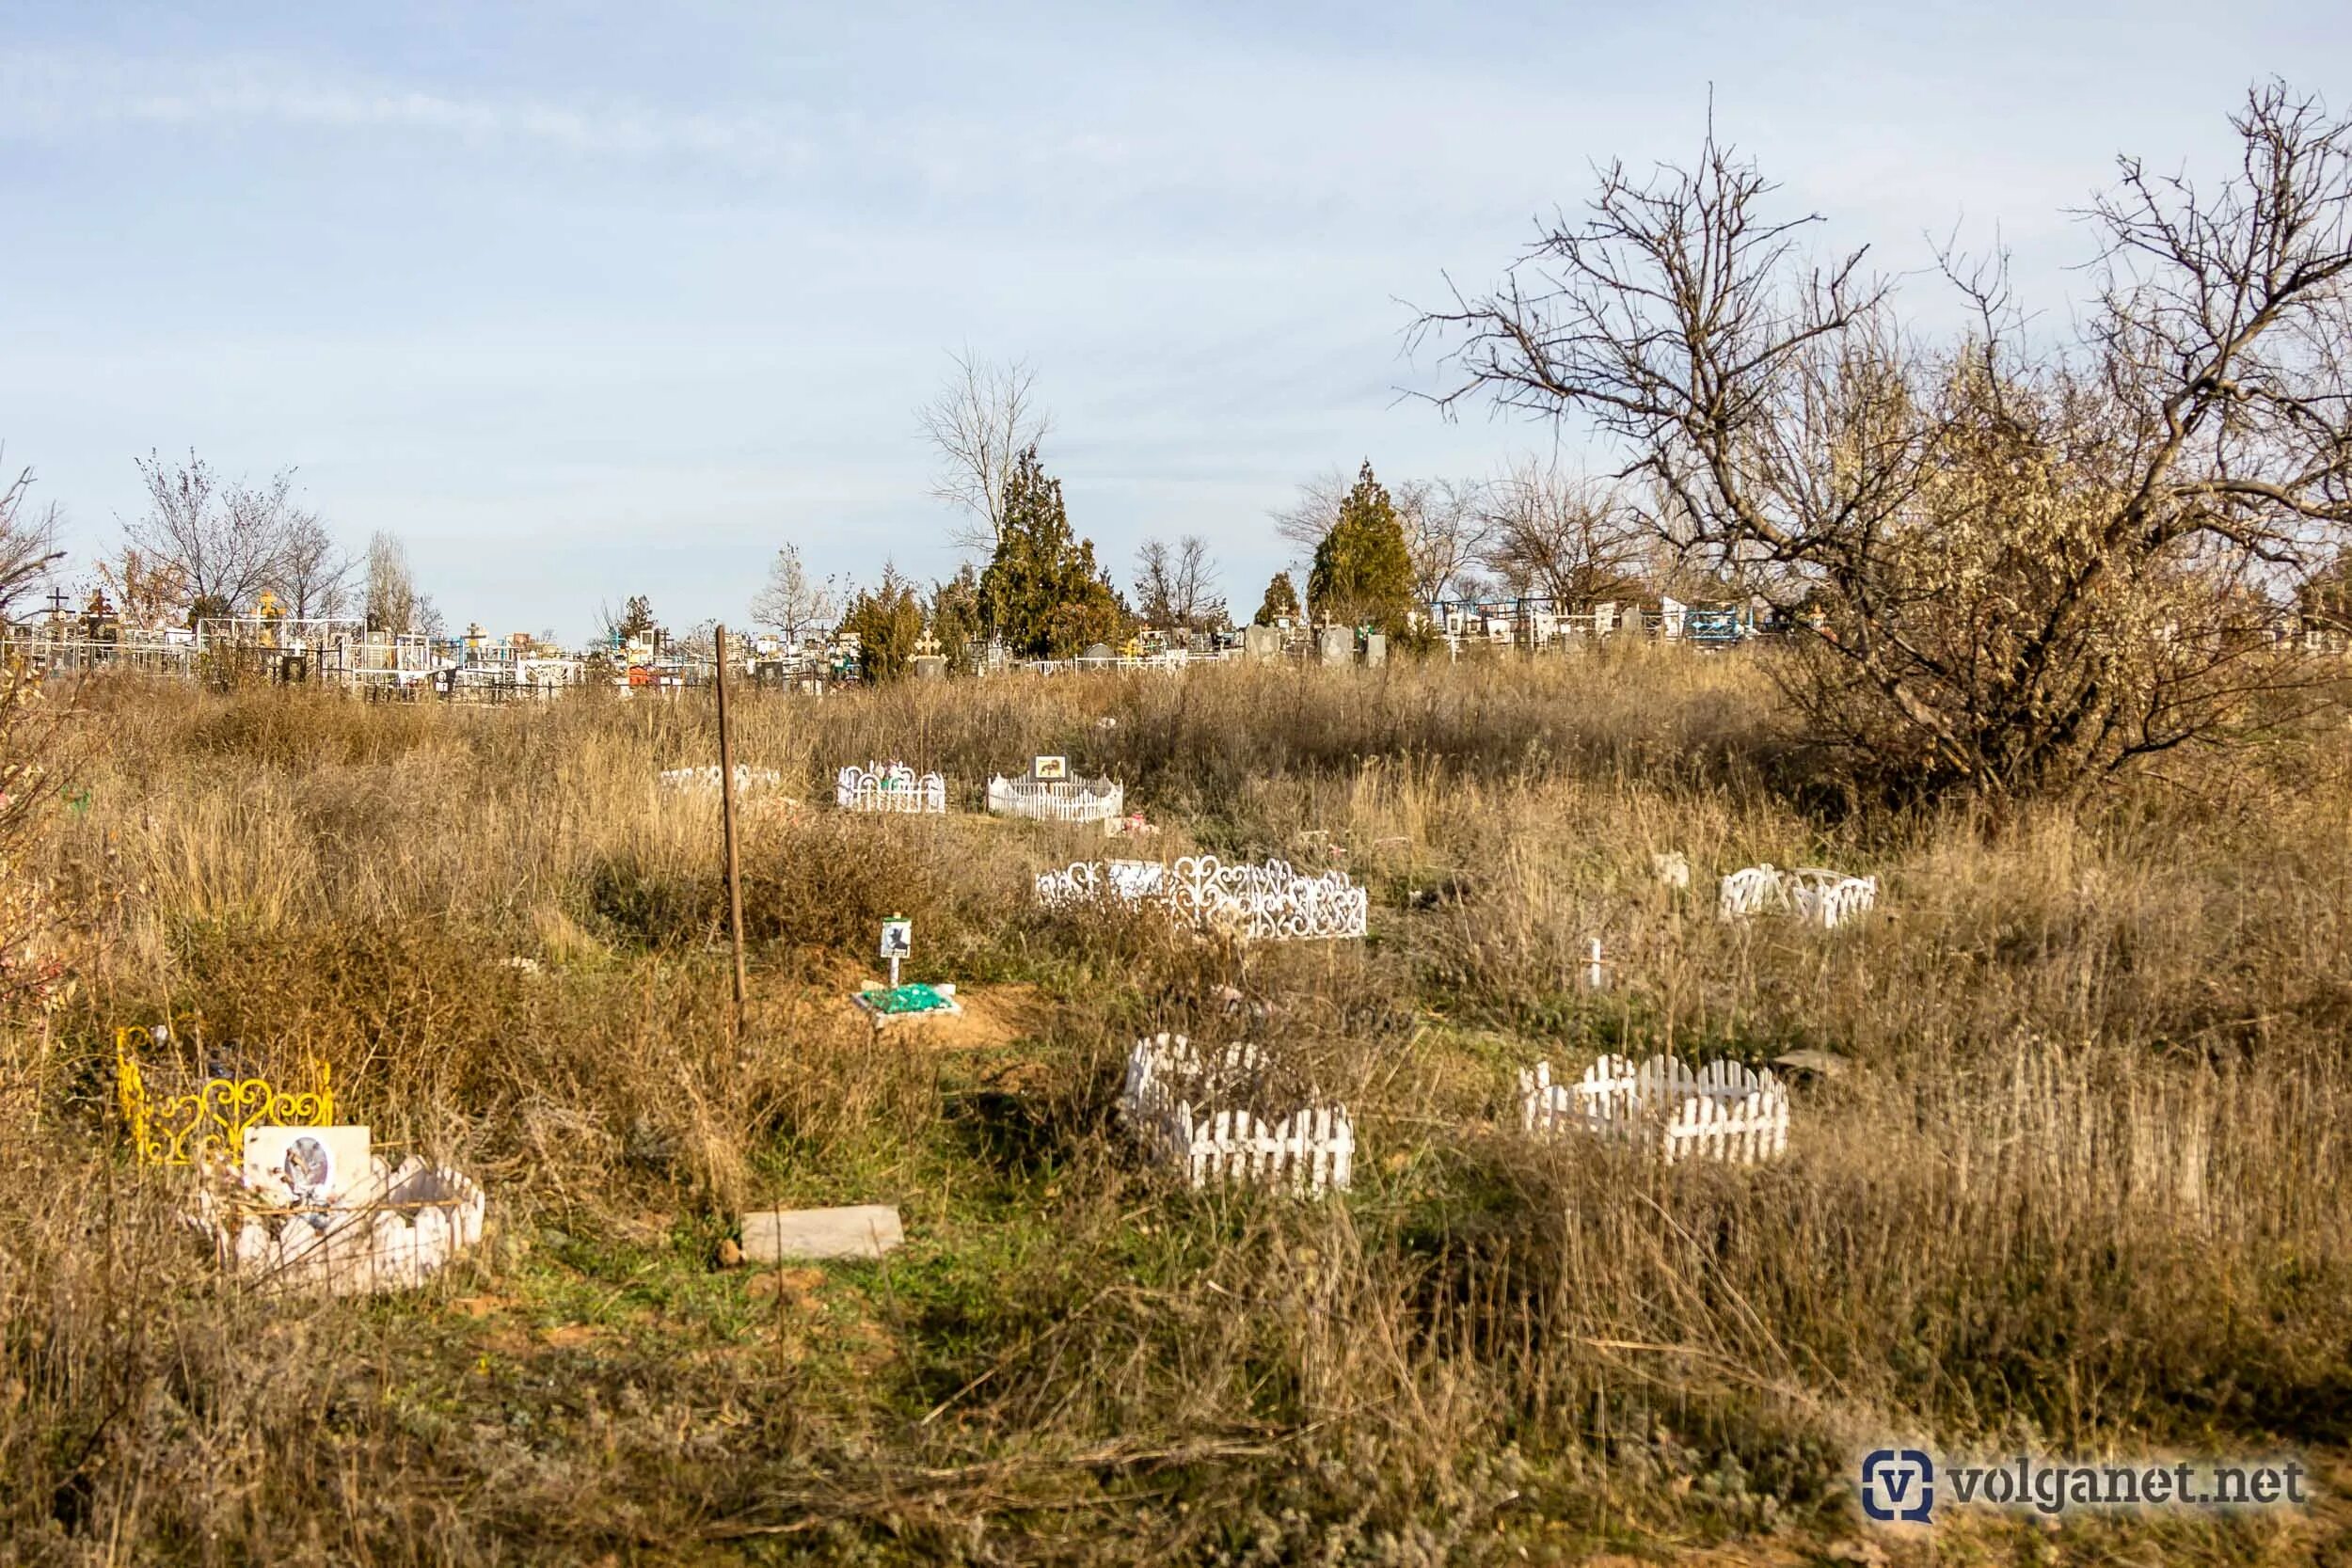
(1049, 767)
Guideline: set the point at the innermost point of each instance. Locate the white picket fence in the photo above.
(1257, 903)
(889, 787)
(1819, 897)
(1723, 1111)
(701, 780)
(1057, 799)
(1168, 1101)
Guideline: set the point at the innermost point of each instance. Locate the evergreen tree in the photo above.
(887, 620)
(1363, 573)
(1280, 600)
(956, 619)
(1043, 592)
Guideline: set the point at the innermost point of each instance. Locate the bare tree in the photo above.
(1563, 537)
(1447, 523)
(313, 573)
(984, 417)
(28, 540)
(790, 603)
(2031, 566)
(1176, 586)
(390, 599)
(226, 540)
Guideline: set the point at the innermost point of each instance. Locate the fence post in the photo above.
(727, 817)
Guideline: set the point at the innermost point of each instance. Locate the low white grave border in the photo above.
(1722, 1112)
(889, 787)
(1818, 897)
(1269, 902)
(705, 780)
(1168, 1101)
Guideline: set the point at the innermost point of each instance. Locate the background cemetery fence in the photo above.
(1270, 902)
(1170, 1102)
(889, 787)
(1723, 1111)
(1058, 799)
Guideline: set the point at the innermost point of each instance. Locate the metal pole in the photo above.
(727, 816)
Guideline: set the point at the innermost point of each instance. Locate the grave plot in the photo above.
(1818, 897)
(1256, 903)
(889, 787)
(1049, 794)
(1205, 1114)
(705, 781)
(1723, 1111)
(896, 1003)
(287, 1197)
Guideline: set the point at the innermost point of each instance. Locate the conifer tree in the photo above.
(1043, 593)
(1363, 573)
(1282, 599)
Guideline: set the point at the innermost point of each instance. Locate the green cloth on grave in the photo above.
(910, 998)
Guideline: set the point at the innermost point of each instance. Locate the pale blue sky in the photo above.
(588, 299)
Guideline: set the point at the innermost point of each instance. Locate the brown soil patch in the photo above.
(992, 1017)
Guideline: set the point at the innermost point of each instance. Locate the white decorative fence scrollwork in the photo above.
(1170, 1102)
(705, 780)
(892, 788)
(1723, 1111)
(1257, 903)
(1057, 799)
(1825, 899)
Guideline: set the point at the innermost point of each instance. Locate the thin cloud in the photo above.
(53, 95)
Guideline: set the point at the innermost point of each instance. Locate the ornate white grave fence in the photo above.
(1269, 902)
(1830, 899)
(891, 787)
(1057, 799)
(1819, 897)
(705, 780)
(1170, 1102)
(1723, 1111)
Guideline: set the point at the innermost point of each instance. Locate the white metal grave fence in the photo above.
(1057, 799)
(705, 780)
(1821, 897)
(1723, 1111)
(1170, 1103)
(892, 788)
(1259, 903)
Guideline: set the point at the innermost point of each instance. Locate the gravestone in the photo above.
(864, 1230)
(1097, 650)
(931, 667)
(1376, 648)
(1630, 623)
(1335, 645)
(1261, 643)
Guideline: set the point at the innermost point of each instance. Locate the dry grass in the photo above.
(2079, 1191)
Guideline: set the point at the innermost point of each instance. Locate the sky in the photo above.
(585, 300)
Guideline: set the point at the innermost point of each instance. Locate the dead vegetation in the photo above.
(2079, 1190)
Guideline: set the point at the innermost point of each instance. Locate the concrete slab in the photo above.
(864, 1230)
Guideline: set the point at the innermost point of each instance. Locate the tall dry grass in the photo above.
(2077, 1191)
